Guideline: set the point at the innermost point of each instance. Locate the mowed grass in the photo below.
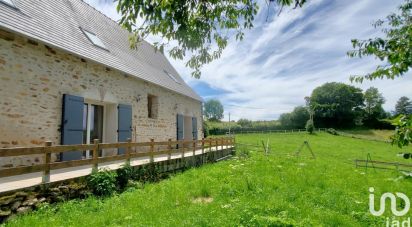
(257, 191)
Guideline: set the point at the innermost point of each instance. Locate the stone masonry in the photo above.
(34, 77)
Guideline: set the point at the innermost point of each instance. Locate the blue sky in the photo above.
(283, 59)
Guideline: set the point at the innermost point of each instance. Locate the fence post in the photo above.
(47, 159)
(151, 150)
(194, 148)
(210, 144)
(222, 140)
(203, 145)
(182, 149)
(128, 148)
(96, 154)
(169, 149)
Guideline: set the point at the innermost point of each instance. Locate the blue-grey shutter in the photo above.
(124, 124)
(194, 128)
(72, 125)
(180, 127)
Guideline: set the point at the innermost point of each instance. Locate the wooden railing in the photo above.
(151, 149)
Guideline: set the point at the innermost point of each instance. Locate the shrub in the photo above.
(310, 127)
(124, 174)
(148, 173)
(332, 131)
(103, 182)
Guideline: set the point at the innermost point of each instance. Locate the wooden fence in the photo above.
(131, 151)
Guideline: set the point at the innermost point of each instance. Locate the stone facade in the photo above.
(34, 77)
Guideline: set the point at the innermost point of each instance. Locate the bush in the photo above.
(148, 173)
(310, 127)
(103, 182)
(124, 174)
(205, 129)
(332, 131)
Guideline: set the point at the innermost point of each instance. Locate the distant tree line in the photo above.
(338, 105)
(332, 105)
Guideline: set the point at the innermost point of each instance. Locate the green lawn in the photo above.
(257, 191)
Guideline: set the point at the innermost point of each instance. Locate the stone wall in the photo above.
(34, 77)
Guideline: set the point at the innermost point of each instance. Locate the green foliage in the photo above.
(242, 151)
(221, 128)
(124, 174)
(206, 132)
(244, 123)
(102, 182)
(373, 111)
(148, 173)
(263, 190)
(213, 110)
(199, 28)
(310, 126)
(403, 132)
(401, 106)
(296, 119)
(337, 105)
(395, 48)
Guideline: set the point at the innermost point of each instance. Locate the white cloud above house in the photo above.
(283, 59)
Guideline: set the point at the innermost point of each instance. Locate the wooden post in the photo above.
(96, 154)
(47, 159)
(151, 150)
(203, 145)
(223, 141)
(182, 148)
(194, 148)
(128, 150)
(210, 144)
(169, 149)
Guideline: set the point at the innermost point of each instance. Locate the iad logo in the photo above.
(392, 199)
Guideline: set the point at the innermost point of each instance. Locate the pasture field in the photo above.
(277, 189)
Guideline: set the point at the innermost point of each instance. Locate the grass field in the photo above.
(257, 191)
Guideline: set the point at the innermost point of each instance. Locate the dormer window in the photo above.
(172, 77)
(94, 39)
(8, 2)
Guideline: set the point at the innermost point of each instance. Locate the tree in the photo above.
(310, 127)
(401, 106)
(336, 105)
(373, 101)
(245, 123)
(199, 28)
(213, 110)
(373, 108)
(395, 48)
(296, 119)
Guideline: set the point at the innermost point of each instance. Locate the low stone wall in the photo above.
(29, 199)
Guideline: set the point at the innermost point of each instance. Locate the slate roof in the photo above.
(59, 23)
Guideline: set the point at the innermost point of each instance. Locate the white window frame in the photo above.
(89, 104)
(89, 36)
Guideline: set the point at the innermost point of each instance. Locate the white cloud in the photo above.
(283, 60)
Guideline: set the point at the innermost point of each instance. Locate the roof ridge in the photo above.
(100, 12)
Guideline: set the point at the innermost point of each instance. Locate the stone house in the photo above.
(68, 75)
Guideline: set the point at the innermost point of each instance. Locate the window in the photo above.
(94, 39)
(172, 77)
(92, 125)
(8, 2)
(152, 106)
